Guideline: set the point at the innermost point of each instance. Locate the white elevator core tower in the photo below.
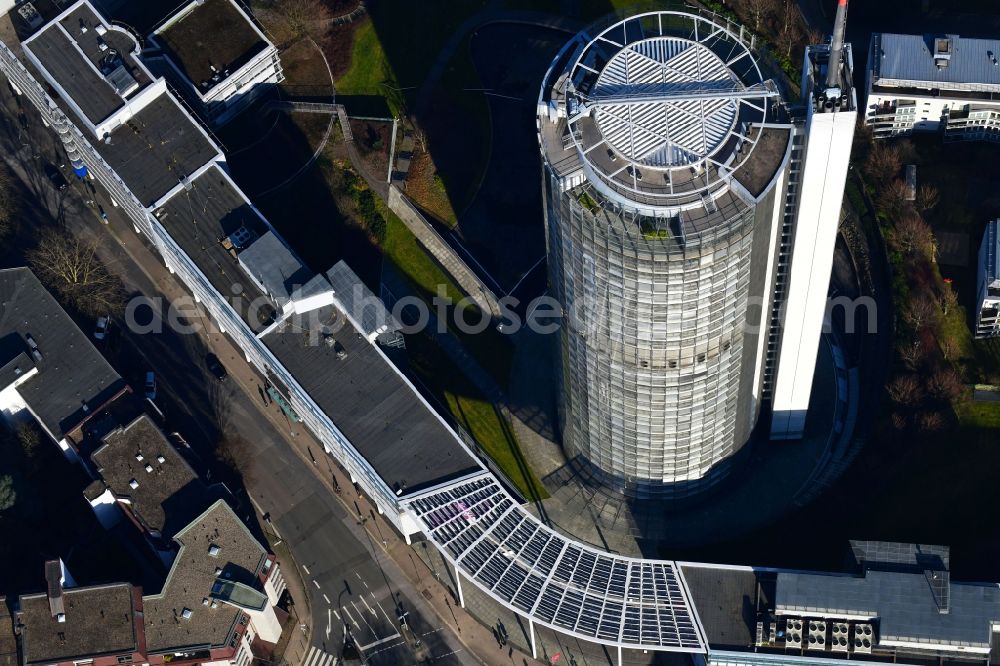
(831, 103)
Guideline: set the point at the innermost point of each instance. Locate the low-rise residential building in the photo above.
(143, 478)
(216, 56)
(216, 606)
(67, 625)
(943, 83)
(988, 284)
(49, 370)
(219, 595)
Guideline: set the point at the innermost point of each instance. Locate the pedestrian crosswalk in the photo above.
(317, 657)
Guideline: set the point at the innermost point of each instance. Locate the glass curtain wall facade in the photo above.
(656, 254)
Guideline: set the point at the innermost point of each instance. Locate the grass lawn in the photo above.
(491, 349)
(979, 415)
(953, 328)
(473, 413)
(370, 70)
(403, 250)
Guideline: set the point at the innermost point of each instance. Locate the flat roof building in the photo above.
(142, 475)
(50, 369)
(217, 56)
(934, 82)
(988, 283)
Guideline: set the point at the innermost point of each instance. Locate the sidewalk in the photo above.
(416, 581)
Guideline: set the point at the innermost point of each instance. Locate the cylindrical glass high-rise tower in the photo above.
(665, 158)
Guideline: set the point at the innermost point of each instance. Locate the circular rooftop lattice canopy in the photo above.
(661, 133)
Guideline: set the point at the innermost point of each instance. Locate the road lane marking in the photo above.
(383, 610)
(351, 618)
(329, 623)
(316, 584)
(362, 616)
(372, 610)
(326, 598)
(305, 568)
(381, 641)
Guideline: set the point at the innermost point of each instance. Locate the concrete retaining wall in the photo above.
(445, 255)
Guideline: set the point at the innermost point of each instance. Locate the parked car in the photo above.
(55, 177)
(101, 329)
(150, 386)
(215, 366)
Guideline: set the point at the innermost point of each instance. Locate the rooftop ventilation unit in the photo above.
(161, 459)
(138, 457)
(123, 82)
(943, 48)
(793, 633)
(133, 484)
(186, 613)
(864, 637)
(817, 635)
(839, 636)
(149, 468)
(213, 550)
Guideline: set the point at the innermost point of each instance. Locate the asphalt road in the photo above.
(352, 586)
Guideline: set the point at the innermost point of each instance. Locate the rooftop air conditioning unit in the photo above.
(840, 636)
(864, 638)
(817, 635)
(793, 632)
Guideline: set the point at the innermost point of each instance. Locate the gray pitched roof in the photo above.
(907, 59)
(73, 379)
(99, 620)
(193, 577)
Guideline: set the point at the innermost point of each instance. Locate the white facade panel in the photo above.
(827, 153)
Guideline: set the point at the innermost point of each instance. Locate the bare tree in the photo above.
(930, 421)
(949, 299)
(920, 311)
(893, 199)
(949, 350)
(72, 268)
(292, 20)
(7, 494)
(8, 202)
(898, 420)
(790, 33)
(759, 11)
(912, 354)
(883, 162)
(946, 385)
(927, 197)
(911, 235)
(905, 390)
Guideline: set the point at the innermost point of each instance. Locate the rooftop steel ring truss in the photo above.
(661, 89)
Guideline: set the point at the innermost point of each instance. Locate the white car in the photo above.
(101, 330)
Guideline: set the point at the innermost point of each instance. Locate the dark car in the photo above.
(215, 366)
(55, 177)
